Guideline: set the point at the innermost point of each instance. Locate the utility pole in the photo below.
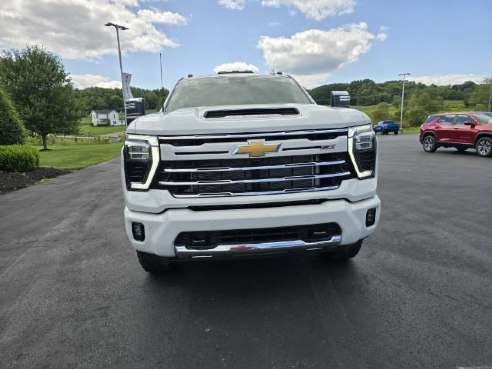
(403, 75)
(490, 94)
(160, 59)
(117, 27)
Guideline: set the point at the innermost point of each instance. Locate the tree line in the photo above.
(97, 98)
(420, 99)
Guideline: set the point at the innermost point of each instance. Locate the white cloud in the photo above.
(236, 66)
(233, 4)
(156, 16)
(273, 24)
(381, 36)
(74, 29)
(315, 9)
(312, 80)
(312, 54)
(82, 81)
(448, 79)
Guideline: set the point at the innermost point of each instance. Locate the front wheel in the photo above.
(484, 146)
(152, 264)
(429, 144)
(347, 252)
(396, 132)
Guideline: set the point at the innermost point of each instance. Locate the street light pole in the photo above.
(117, 27)
(402, 99)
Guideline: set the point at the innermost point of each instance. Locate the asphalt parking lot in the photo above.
(419, 295)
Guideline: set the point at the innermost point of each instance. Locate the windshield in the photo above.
(236, 90)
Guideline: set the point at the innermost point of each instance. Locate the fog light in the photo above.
(371, 217)
(138, 231)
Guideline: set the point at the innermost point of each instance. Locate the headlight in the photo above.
(141, 158)
(362, 149)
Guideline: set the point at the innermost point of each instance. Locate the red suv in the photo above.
(460, 130)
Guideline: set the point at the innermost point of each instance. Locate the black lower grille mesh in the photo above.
(210, 239)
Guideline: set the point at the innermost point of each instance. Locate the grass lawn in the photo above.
(87, 129)
(411, 130)
(78, 156)
(90, 130)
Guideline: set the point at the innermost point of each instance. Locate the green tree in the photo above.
(365, 92)
(429, 100)
(115, 102)
(151, 99)
(42, 91)
(12, 130)
(480, 96)
(381, 112)
(415, 116)
(422, 103)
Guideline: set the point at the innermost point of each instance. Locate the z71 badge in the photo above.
(328, 147)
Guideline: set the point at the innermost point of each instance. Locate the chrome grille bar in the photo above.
(262, 180)
(253, 135)
(260, 193)
(234, 169)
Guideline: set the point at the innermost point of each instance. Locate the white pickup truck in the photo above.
(243, 164)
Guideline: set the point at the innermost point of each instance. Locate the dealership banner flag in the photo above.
(127, 77)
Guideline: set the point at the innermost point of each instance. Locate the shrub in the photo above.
(381, 112)
(12, 130)
(416, 116)
(18, 158)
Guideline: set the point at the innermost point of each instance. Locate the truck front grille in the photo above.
(208, 165)
(253, 176)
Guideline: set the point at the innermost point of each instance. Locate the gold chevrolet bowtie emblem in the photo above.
(256, 148)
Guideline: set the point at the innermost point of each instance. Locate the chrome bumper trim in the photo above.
(257, 248)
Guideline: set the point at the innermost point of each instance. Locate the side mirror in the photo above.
(340, 99)
(470, 123)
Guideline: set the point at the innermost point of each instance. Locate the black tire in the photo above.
(484, 146)
(348, 252)
(395, 132)
(429, 143)
(461, 149)
(152, 264)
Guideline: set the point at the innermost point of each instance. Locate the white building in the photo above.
(106, 118)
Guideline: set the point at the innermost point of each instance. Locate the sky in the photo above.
(316, 41)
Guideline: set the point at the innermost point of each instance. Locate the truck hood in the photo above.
(191, 121)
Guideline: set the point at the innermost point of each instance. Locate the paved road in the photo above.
(418, 296)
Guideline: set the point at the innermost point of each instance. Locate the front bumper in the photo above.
(161, 230)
